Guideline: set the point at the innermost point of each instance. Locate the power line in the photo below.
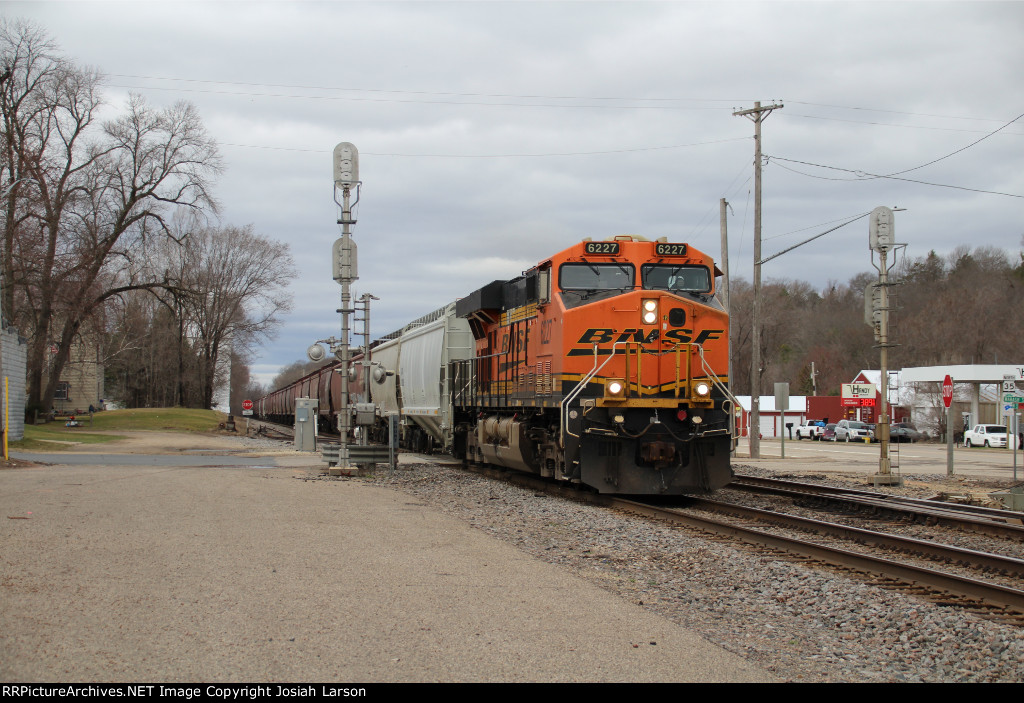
(820, 224)
(902, 126)
(954, 153)
(866, 176)
(348, 98)
(895, 112)
(821, 234)
(523, 96)
(416, 92)
(503, 156)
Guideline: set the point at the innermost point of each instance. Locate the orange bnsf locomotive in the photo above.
(605, 365)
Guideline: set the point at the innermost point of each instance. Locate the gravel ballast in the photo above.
(802, 623)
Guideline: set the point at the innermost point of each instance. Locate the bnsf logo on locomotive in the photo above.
(603, 335)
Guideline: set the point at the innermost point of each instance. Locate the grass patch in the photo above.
(160, 419)
(55, 436)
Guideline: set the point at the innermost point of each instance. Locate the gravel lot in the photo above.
(802, 623)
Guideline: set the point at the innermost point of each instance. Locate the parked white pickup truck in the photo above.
(986, 436)
(810, 429)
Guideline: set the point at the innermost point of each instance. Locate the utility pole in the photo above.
(724, 261)
(757, 115)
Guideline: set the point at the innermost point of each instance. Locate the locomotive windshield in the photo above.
(592, 277)
(674, 277)
(587, 283)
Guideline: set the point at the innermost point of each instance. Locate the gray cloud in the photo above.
(467, 179)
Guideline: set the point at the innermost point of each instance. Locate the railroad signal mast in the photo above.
(881, 239)
(343, 262)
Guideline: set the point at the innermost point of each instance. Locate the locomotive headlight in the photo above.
(700, 392)
(650, 311)
(615, 388)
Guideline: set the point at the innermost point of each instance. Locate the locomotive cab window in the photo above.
(676, 278)
(591, 277)
(583, 283)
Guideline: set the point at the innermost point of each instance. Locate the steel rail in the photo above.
(940, 512)
(931, 550)
(1011, 517)
(957, 585)
(973, 589)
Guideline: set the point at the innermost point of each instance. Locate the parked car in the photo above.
(987, 436)
(904, 432)
(810, 429)
(829, 435)
(847, 430)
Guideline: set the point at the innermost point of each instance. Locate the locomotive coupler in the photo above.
(659, 454)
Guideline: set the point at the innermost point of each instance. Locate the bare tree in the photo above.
(77, 230)
(240, 289)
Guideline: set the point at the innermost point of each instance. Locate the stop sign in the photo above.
(247, 404)
(947, 391)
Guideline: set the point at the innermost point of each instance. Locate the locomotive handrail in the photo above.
(471, 380)
(564, 409)
(460, 389)
(730, 398)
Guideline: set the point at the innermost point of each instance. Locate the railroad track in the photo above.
(947, 588)
(1005, 524)
(935, 551)
(983, 596)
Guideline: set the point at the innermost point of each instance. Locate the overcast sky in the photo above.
(493, 134)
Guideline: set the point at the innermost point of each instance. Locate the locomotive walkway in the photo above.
(243, 569)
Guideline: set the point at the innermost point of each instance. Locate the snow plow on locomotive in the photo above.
(606, 365)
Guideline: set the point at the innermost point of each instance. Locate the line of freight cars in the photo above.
(416, 355)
